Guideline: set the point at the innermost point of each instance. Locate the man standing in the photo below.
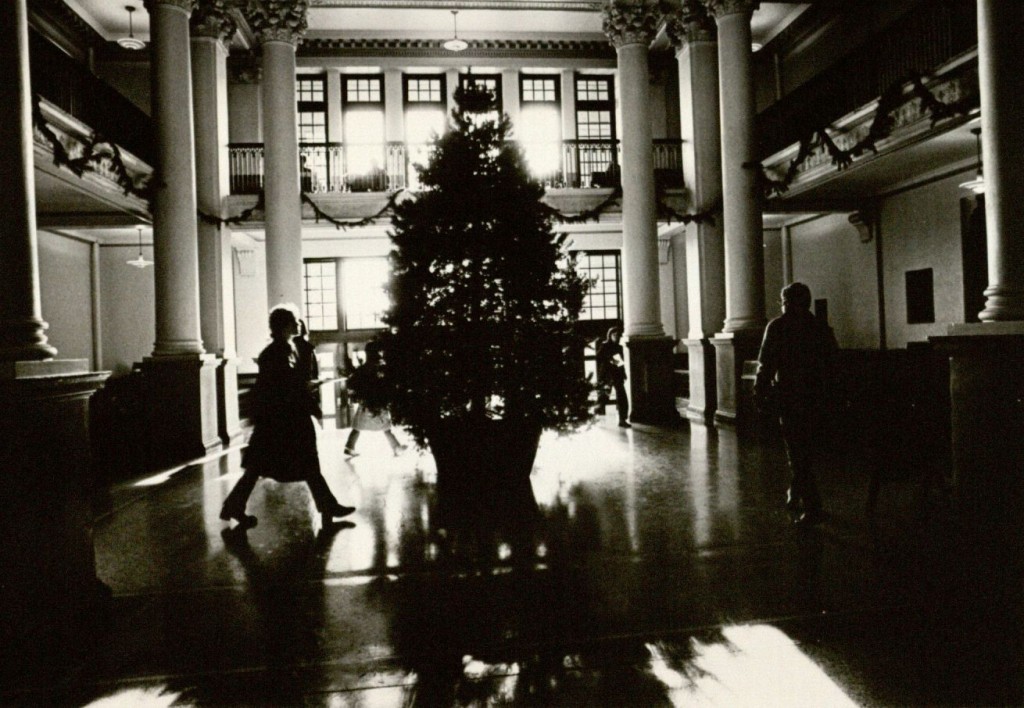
(611, 372)
(794, 362)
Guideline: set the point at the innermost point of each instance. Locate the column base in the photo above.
(50, 591)
(181, 396)
(228, 425)
(986, 374)
(652, 399)
(735, 400)
(703, 391)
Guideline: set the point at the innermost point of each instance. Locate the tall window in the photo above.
(595, 127)
(320, 294)
(604, 300)
(425, 115)
(363, 116)
(489, 82)
(363, 295)
(311, 97)
(540, 125)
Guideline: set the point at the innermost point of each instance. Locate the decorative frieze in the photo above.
(630, 21)
(491, 48)
(688, 22)
(277, 20)
(214, 18)
(721, 8)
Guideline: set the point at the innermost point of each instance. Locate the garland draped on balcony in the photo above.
(881, 127)
(94, 149)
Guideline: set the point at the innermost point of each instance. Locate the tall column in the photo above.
(630, 26)
(741, 210)
(279, 28)
(987, 358)
(700, 250)
(180, 377)
(1000, 84)
(211, 27)
(47, 563)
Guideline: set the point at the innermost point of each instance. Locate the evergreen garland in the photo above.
(881, 127)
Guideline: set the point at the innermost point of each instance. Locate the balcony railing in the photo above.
(73, 89)
(922, 40)
(337, 167)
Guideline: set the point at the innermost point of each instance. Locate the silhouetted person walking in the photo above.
(363, 379)
(283, 441)
(307, 366)
(611, 372)
(795, 360)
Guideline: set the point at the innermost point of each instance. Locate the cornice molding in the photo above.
(478, 48)
(558, 5)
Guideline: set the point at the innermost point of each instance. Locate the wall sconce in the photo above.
(130, 42)
(976, 185)
(140, 262)
(455, 44)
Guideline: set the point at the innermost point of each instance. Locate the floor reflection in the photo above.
(661, 571)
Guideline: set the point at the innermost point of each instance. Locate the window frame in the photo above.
(337, 294)
(582, 254)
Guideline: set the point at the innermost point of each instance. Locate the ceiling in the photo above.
(432, 19)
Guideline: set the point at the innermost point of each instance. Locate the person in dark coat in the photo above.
(794, 363)
(308, 366)
(611, 372)
(283, 442)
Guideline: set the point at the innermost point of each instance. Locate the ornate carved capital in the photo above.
(277, 20)
(721, 8)
(186, 5)
(630, 21)
(213, 18)
(690, 21)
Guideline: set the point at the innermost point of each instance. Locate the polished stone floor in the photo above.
(664, 572)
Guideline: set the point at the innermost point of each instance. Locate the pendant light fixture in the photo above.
(130, 42)
(976, 185)
(140, 262)
(455, 44)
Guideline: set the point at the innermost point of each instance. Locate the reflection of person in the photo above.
(364, 418)
(611, 372)
(795, 360)
(283, 441)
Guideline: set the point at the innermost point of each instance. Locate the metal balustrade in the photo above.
(353, 167)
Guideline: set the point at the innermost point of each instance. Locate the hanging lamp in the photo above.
(976, 185)
(130, 42)
(455, 44)
(140, 262)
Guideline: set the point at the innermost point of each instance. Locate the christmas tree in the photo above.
(485, 296)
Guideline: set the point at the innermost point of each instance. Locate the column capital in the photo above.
(688, 22)
(630, 21)
(721, 8)
(187, 5)
(277, 20)
(213, 18)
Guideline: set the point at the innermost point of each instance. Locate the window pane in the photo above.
(362, 290)
(540, 133)
(602, 302)
(319, 295)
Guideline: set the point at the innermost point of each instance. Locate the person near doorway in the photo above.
(283, 441)
(611, 372)
(794, 363)
(364, 418)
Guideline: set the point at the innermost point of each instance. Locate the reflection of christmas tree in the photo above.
(484, 296)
